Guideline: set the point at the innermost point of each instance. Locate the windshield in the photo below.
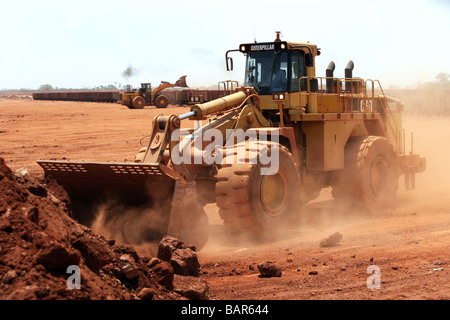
(267, 71)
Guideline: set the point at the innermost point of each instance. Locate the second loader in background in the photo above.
(316, 132)
(145, 96)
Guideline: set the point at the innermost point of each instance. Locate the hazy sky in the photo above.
(91, 43)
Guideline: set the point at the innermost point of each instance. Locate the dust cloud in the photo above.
(322, 216)
(431, 136)
(142, 227)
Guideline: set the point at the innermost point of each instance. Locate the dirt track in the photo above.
(410, 244)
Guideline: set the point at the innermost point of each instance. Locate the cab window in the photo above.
(298, 70)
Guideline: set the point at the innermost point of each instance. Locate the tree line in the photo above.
(115, 86)
(442, 81)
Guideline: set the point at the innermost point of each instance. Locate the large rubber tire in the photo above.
(138, 102)
(256, 204)
(161, 101)
(369, 180)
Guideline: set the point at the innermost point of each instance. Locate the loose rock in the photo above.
(190, 287)
(182, 258)
(162, 272)
(55, 257)
(269, 269)
(9, 277)
(128, 267)
(146, 294)
(185, 262)
(167, 246)
(95, 253)
(33, 215)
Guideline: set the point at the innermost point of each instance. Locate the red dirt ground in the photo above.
(410, 243)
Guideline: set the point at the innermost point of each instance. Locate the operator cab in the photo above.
(274, 71)
(281, 72)
(146, 87)
(278, 66)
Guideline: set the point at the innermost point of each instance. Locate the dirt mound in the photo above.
(45, 254)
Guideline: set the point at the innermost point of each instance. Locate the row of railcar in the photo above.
(176, 97)
(92, 96)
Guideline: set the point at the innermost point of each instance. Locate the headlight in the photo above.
(278, 96)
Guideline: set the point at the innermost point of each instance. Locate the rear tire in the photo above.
(370, 177)
(257, 204)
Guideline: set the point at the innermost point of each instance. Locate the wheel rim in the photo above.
(161, 102)
(378, 175)
(139, 103)
(274, 189)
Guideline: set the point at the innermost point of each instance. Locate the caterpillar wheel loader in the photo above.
(262, 152)
(145, 96)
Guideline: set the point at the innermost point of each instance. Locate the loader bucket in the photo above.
(170, 205)
(181, 82)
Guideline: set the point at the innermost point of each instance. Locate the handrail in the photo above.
(358, 89)
(339, 90)
(390, 120)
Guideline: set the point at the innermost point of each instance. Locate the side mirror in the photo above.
(229, 60)
(309, 60)
(229, 64)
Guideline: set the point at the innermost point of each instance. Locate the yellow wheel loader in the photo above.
(262, 153)
(145, 96)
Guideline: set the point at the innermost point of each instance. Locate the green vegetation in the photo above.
(442, 82)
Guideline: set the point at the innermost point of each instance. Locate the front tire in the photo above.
(138, 102)
(257, 204)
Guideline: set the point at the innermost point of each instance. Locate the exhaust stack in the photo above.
(349, 75)
(329, 74)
